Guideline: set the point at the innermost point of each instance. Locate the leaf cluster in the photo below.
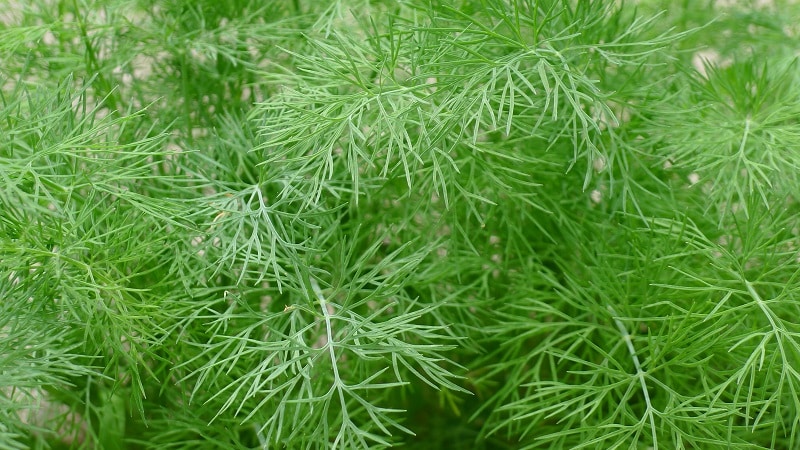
(362, 224)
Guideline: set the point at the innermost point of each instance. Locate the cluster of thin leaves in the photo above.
(358, 224)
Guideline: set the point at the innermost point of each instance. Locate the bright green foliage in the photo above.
(469, 224)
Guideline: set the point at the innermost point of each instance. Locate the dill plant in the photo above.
(363, 224)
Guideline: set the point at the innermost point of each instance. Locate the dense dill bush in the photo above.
(474, 224)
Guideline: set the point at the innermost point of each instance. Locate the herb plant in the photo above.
(470, 224)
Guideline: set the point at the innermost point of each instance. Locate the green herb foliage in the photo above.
(470, 224)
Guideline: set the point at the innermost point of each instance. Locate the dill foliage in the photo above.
(470, 224)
